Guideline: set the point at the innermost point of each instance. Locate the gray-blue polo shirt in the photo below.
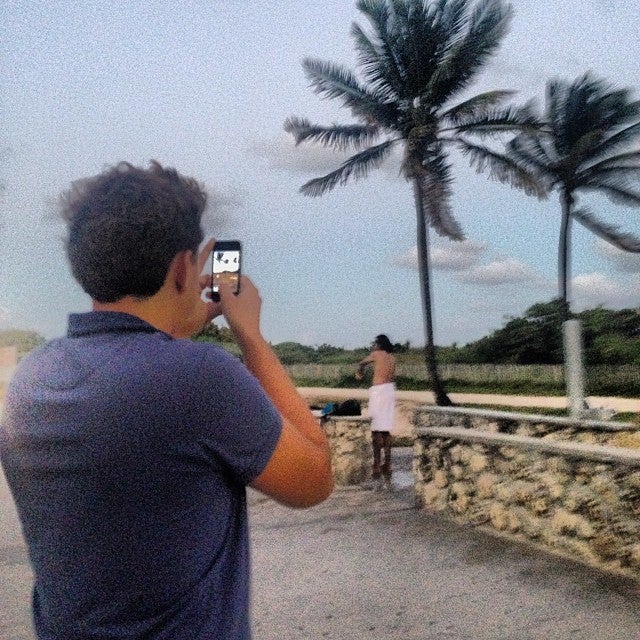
(127, 453)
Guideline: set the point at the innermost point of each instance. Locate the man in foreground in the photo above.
(128, 448)
(382, 404)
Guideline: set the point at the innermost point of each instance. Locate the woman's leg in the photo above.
(377, 442)
(386, 446)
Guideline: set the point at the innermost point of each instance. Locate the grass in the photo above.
(404, 383)
(535, 380)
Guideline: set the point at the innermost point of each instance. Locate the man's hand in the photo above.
(242, 310)
(213, 309)
(203, 312)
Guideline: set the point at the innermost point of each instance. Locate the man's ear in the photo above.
(178, 270)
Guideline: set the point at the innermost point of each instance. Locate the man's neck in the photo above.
(171, 306)
(147, 309)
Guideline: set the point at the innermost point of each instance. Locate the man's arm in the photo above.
(298, 473)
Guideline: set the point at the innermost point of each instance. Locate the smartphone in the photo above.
(226, 259)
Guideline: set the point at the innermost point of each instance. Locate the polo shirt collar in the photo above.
(93, 322)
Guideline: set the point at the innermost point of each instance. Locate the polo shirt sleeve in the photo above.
(238, 426)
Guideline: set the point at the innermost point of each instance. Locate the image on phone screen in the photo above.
(225, 266)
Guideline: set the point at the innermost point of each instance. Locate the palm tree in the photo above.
(417, 59)
(589, 142)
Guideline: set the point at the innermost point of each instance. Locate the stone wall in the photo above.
(571, 487)
(350, 441)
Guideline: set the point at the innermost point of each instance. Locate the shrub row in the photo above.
(623, 381)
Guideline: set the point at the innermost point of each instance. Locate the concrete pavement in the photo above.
(367, 565)
(15, 573)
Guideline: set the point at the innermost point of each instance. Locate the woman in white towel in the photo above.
(382, 400)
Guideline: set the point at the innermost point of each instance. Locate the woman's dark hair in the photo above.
(384, 343)
(126, 225)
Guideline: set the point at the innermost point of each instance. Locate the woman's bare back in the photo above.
(384, 366)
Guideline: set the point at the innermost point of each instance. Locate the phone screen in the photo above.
(225, 265)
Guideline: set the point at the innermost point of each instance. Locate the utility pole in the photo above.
(573, 367)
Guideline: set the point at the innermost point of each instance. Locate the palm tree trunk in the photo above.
(564, 253)
(424, 269)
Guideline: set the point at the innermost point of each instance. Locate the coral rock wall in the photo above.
(350, 442)
(571, 487)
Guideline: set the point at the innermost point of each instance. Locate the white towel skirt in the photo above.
(382, 404)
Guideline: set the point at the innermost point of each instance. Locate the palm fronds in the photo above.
(616, 192)
(334, 81)
(620, 140)
(485, 26)
(504, 169)
(379, 55)
(589, 143)
(476, 106)
(535, 153)
(338, 137)
(586, 106)
(631, 158)
(610, 233)
(331, 80)
(430, 30)
(434, 180)
(623, 176)
(357, 166)
(496, 121)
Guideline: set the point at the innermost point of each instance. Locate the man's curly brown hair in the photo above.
(127, 224)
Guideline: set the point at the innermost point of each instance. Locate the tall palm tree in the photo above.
(590, 141)
(417, 58)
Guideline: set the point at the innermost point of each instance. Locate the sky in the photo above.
(205, 87)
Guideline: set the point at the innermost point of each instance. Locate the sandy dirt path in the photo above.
(407, 401)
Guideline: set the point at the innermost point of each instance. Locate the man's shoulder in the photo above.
(69, 362)
(186, 362)
(41, 362)
(191, 351)
(201, 363)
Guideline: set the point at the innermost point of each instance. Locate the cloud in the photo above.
(592, 289)
(221, 210)
(507, 72)
(455, 257)
(391, 168)
(621, 260)
(409, 259)
(500, 272)
(282, 153)
(314, 159)
(461, 259)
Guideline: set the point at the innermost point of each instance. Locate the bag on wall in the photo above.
(349, 407)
